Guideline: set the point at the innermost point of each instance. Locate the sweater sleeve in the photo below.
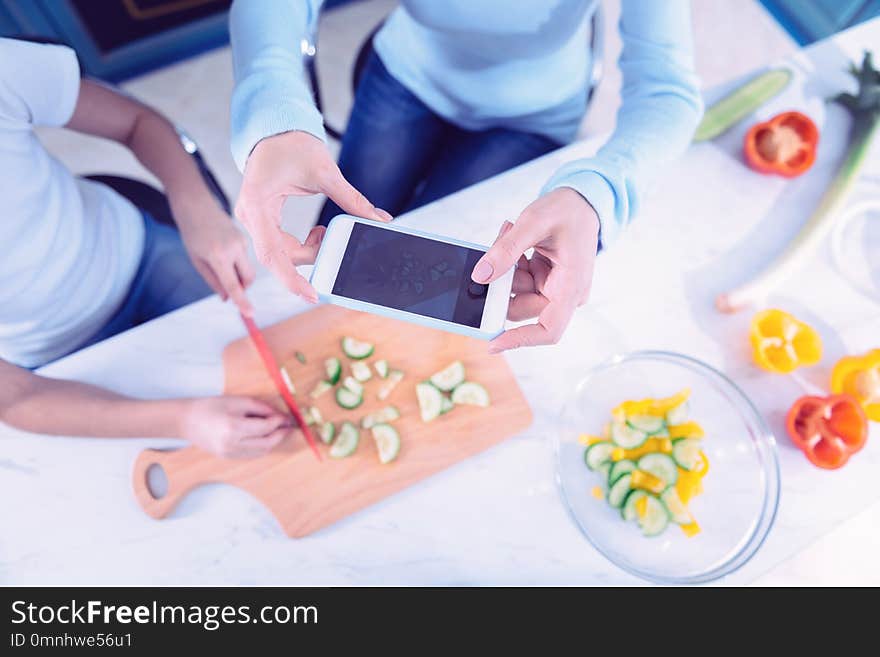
(659, 113)
(272, 93)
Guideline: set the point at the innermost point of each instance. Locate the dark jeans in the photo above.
(401, 155)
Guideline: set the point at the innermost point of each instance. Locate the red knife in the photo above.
(274, 371)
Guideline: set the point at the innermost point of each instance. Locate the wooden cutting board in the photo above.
(305, 494)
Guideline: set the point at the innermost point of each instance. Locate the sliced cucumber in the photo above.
(287, 381)
(470, 394)
(381, 367)
(686, 453)
(447, 405)
(626, 436)
(356, 349)
(619, 490)
(661, 466)
(353, 384)
(677, 509)
(316, 415)
(348, 399)
(678, 414)
(320, 388)
(604, 469)
(361, 371)
(449, 377)
(333, 367)
(430, 401)
(628, 510)
(346, 442)
(301, 357)
(619, 469)
(656, 517)
(650, 424)
(597, 454)
(327, 431)
(382, 416)
(394, 377)
(387, 441)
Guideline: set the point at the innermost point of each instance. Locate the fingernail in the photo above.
(506, 226)
(482, 272)
(384, 215)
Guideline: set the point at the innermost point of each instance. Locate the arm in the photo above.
(227, 426)
(278, 134)
(216, 247)
(586, 204)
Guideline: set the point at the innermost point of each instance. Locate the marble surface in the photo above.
(69, 515)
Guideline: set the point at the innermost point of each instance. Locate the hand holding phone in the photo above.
(409, 275)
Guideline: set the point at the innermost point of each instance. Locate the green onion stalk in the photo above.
(864, 106)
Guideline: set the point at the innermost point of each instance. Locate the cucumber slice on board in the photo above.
(388, 386)
(348, 399)
(316, 415)
(356, 349)
(447, 405)
(656, 517)
(686, 453)
(626, 436)
(661, 466)
(346, 442)
(741, 102)
(387, 442)
(619, 490)
(650, 424)
(327, 432)
(677, 509)
(430, 401)
(470, 394)
(353, 384)
(628, 510)
(382, 416)
(320, 388)
(381, 367)
(449, 377)
(333, 367)
(361, 371)
(597, 454)
(619, 469)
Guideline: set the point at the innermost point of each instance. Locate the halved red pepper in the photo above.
(828, 429)
(784, 145)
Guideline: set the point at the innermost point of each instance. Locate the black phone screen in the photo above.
(410, 273)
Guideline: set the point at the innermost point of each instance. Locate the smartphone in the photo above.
(389, 270)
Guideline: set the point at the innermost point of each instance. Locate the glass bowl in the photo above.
(740, 491)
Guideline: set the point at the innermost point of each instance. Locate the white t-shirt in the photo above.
(69, 248)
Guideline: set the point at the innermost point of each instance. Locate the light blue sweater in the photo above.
(522, 65)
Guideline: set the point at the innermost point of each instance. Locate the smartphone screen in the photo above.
(411, 273)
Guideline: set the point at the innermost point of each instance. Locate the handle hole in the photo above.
(157, 481)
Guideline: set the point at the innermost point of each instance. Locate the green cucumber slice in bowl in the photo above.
(619, 469)
(356, 349)
(430, 401)
(619, 490)
(628, 510)
(333, 368)
(661, 466)
(346, 442)
(686, 453)
(348, 399)
(678, 414)
(677, 509)
(470, 394)
(387, 442)
(626, 436)
(656, 517)
(449, 377)
(650, 424)
(598, 454)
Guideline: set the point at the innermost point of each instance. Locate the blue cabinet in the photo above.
(811, 20)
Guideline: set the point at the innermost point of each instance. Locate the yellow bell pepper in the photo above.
(647, 481)
(587, 440)
(690, 529)
(642, 506)
(598, 493)
(686, 430)
(651, 445)
(859, 376)
(781, 343)
(655, 407)
(690, 483)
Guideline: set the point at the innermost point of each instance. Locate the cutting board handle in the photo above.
(157, 507)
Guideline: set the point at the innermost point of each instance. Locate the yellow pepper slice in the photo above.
(690, 483)
(686, 430)
(647, 481)
(782, 343)
(587, 440)
(655, 407)
(859, 376)
(651, 445)
(691, 529)
(598, 493)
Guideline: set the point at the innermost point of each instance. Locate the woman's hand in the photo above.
(292, 164)
(563, 229)
(234, 427)
(218, 251)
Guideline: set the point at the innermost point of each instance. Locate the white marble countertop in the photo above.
(69, 516)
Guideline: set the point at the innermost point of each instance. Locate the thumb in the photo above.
(340, 191)
(513, 240)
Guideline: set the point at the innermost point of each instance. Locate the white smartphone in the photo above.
(398, 272)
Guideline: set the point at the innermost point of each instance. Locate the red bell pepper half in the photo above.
(784, 145)
(828, 429)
